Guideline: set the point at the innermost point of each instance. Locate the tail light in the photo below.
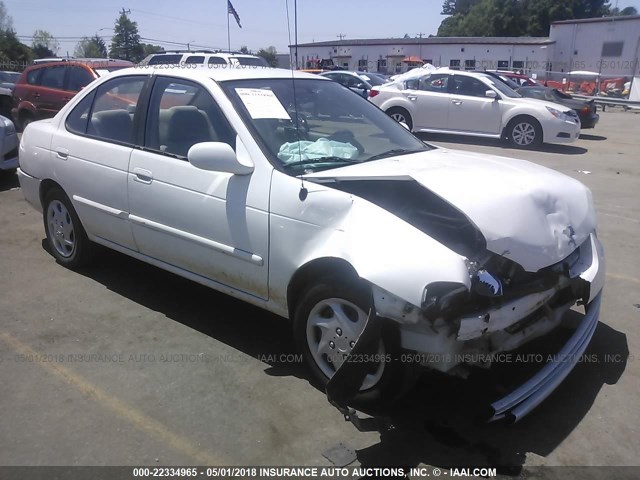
(586, 109)
(373, 93)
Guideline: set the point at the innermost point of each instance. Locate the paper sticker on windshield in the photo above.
(262, 103)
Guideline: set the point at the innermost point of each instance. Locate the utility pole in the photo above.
(295, 25)
(341, 36)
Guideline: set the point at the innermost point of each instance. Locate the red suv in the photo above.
(520, 78)
(43, 89)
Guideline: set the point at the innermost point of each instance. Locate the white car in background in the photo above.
(359, 82)
(470, 103)
(209, 58)
(286, 190)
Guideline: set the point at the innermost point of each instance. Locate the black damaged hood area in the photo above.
(418, 206)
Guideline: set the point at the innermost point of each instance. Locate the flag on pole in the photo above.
(232, 11)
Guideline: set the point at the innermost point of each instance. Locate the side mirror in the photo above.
(491, 94)
(217, 157)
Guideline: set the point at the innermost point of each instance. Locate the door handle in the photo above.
(36, 95)
(456, 102)
(62, 153)
(412, 97)
(142, 175)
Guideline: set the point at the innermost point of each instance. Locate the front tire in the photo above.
(328, 319)
(66, 237)
(524, 132)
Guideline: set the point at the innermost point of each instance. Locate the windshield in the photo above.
(9, 77)
(372, 79)
(252, 61)
(503, 89)
(333, 126)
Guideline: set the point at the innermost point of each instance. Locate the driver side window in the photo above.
(181, 114)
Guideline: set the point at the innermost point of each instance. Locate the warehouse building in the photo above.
(608, 46)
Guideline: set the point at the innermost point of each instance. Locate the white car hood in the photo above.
(536, 102)
(530, 214)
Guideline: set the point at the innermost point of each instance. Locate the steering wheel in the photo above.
(346, 136)
(297, 127)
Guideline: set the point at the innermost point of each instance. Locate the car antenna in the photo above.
(303, 190)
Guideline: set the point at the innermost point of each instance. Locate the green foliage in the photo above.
(125, 43)
(93, 47)
(245, 50)
(625, 11)
(269, 54)
(44, 42)
(497, 18)
(148, 49)
(12, 51)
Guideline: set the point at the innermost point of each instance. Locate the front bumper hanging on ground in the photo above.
(529, 395)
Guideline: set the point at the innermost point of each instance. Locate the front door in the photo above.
(471, 110)
(212, 224)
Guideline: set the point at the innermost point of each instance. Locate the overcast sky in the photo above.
(203, 23)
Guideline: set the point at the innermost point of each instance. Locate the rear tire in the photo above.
(400, 115)
(67, 239)
(25, 119)
(328, 319)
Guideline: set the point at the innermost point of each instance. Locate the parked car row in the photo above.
(312, 203)
(44, 88)
(477, 104)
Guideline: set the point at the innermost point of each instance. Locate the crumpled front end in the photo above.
(505, 308)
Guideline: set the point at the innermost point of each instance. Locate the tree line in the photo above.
(125, 44)
(517, 18)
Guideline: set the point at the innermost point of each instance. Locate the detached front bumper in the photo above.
(529, 395)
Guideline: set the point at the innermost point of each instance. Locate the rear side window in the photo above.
(33, 77)
(113, 109)
(195, 59)
(165, 59)
(252, 61)
(217, 61)
(53, 77)
(181, 114)
(78, 119)
(434, 83)
(78, 79)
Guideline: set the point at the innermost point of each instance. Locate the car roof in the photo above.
(218, 74)
(450, 71)
(87, 62)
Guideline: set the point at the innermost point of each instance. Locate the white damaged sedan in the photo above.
(297, 195)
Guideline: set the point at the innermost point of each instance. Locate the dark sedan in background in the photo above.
(586, 110)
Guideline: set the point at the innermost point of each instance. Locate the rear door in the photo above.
(471, 110)
(91, 153)
(50, 96)
(431, 97)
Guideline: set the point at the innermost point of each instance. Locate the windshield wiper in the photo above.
(395, 151)
(311, 161)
